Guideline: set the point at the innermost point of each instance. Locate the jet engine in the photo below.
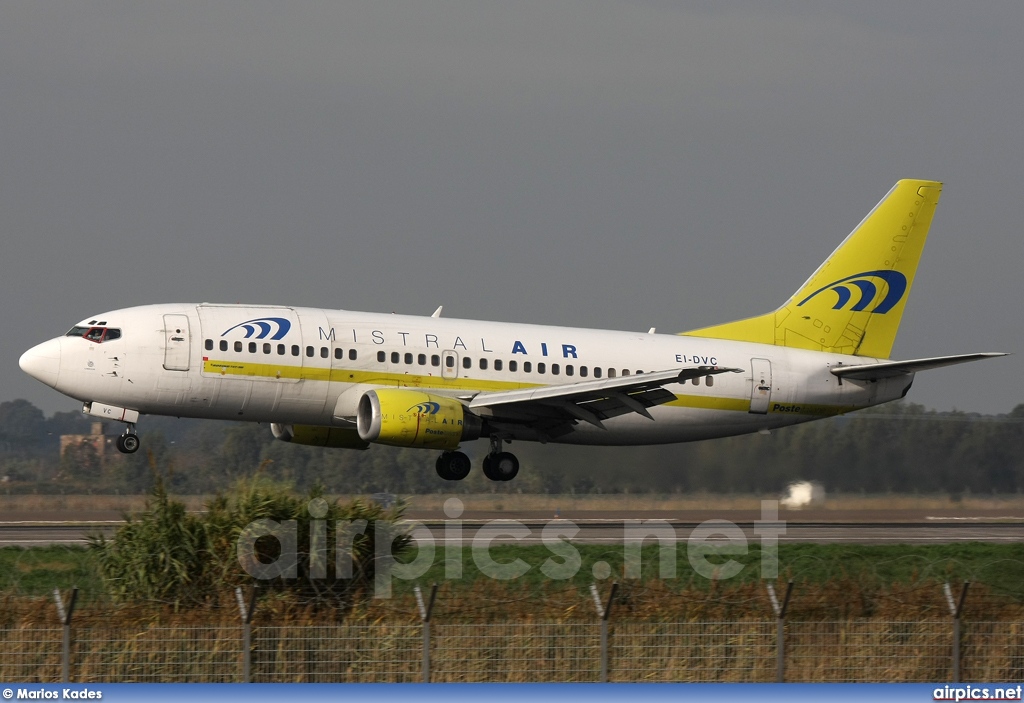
(315, 436)
(407, 418)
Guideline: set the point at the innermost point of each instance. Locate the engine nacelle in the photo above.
(406, 418)
(315, 436)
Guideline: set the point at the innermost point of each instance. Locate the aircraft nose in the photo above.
(42, 362)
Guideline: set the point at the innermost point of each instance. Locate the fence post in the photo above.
(65, 620)
(425, 612)
(246, 611)
(956, 609)
(780, 629)
(604, 612)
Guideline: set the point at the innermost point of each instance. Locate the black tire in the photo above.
(441, 466)
(488, 467)
(459, 466)
(128, 443)
(453, 466)
(502, 466)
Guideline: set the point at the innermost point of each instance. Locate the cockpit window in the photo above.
(95, 334)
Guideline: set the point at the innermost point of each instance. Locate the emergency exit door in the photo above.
(760, 386)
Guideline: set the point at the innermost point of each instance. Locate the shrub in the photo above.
(168, 555)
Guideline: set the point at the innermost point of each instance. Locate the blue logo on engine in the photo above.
(265, 325)
(868, 290)
(427, 408)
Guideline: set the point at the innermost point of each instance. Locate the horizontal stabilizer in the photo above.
(890, 369)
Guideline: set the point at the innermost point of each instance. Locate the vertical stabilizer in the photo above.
(854, 302)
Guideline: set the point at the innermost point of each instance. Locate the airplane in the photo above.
(336, 378)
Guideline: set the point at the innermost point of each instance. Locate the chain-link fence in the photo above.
(601, 648)
(737, 651)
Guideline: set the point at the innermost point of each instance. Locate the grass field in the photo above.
(849, 573)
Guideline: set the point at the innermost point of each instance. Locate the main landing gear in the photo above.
(453, 466)
(497, 466)
(128, 443)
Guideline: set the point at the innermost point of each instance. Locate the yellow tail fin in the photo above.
(853, 303)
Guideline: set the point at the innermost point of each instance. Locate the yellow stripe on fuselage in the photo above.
(409, 380)
(314, 373)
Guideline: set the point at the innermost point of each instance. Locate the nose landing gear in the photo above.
(128, 443)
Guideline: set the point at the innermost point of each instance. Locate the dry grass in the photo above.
(836, 633)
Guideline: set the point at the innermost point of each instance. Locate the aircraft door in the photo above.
(760, 386)
(449, 364)
(176, 342)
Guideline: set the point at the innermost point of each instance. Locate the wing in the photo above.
(553, 410)
(889, 369)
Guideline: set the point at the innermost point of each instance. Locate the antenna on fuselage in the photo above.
(437, 313)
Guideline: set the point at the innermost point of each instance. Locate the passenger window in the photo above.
(527, 366)
(280, 350)
(625, 372)
(709, 380)
(421, 359)
(435, 360)
(569, 370)
(497, 365)
(597, 372)
(449, 362)
(209, 345)
(352, 354)
(513, 366)
(483, 364)
(583, 371)
(408, 358)
(339, 353)
(223, 345)
(295, 350)
(395, 357)
(695, 381)
(540, 367)
(252, 347)
(638, 372)
(554, 369)
(266, 347)
(467, 363)
(611, 373)
(381, 357)
(238, 346)
(324, 352)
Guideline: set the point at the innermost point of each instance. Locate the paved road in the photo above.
(609, 532)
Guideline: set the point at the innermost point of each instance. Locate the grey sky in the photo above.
(600, 164)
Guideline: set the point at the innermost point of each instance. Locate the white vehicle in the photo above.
(349, 379)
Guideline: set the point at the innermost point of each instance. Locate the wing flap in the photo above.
(590, 401)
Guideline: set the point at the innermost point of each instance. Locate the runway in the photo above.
(607, 532)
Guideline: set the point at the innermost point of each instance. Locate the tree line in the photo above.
(900, 447)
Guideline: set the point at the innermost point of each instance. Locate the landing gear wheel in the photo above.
(502, 466)
(453, 466)
(128, 443)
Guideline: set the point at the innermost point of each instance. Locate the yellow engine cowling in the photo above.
(405, 418)
(315, 436)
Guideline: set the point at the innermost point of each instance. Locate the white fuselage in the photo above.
(308, 366)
